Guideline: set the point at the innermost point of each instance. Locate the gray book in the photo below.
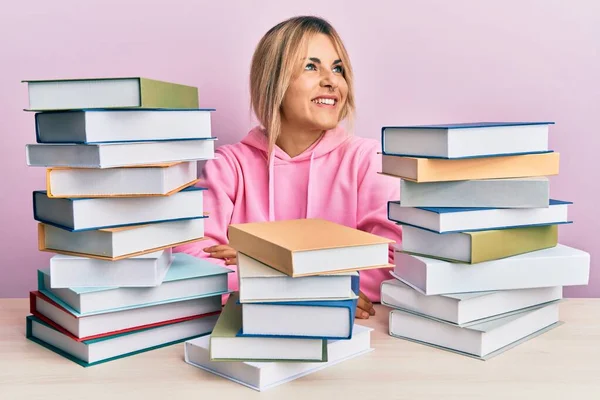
(482, 341)
(531, 192)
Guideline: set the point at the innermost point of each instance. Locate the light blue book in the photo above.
(466, 140)
(188, 277)
(84, 214)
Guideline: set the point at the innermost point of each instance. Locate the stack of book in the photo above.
(294, 312)
(121, 157)
(480, 269)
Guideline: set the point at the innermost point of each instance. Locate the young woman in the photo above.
(299, 163)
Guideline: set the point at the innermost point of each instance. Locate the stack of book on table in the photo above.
(480, 269)
(121, 157)
(294, 312)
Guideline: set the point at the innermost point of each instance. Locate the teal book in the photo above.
(96, 351)
(188, 277)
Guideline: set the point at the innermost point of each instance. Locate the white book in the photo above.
(444, 220)
(318, 319)
(145, 180)
(464, 309)
(92, 352)
(146, 270)
(483, 340)
(466, 140)
(533, 192)
(258, 282)
(109, 155)
(134, 125)
(110, 212)
(120, 320)
(556, 266)
(188, 277)
(266, 375)
(118, 243)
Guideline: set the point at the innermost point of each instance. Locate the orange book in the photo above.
(304, 247)
(442, 170)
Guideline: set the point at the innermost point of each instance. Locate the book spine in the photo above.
(158, 94)
(496, 244)
(439, 170)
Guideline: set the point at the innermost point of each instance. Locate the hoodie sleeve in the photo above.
(220, 177)
(374, 192)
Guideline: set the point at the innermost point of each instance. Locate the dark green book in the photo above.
(103, 93)
(226, 345)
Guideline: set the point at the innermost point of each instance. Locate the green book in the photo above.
(480, 246)
(109, 93)
(226, 345)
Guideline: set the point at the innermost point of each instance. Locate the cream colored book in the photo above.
(305, 247)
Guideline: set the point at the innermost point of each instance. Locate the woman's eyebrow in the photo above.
(318, 61)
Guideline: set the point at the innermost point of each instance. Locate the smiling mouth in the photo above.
(325, 101)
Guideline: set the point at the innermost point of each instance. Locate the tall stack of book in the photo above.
(121, 157)
(294, 312)
(480, 269)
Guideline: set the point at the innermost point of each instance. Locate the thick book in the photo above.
(142, 271)
(104, 126)
(226, 345)
(81, 214)
(478, 247)
(304, 247)
(444, 170)
(111, 322)
(469, 219)
(262, 376)
(111, 92)
(300, 319)
(188, 277)
(136, 181)
(480, 139)
(557, 266)
(464, 309)
(533, 192)
(258, 282)
(96, 351)
(114, 244)
(482, 341)
(116, 154)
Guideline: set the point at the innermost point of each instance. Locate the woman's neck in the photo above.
(294, 141)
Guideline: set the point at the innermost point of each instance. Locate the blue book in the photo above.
(188, 277)
(466, 140)
(96, 351)
(122, 125)
(452, 219)
(84, 214)
(294, 319)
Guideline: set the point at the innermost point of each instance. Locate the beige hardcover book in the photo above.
(444, 170)
(304, 247)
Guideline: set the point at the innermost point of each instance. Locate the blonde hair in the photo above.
(275, 61)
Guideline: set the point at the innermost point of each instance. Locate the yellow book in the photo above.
(304, 247)
(442, 170)
(476, 247)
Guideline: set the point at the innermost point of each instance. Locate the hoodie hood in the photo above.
(329, 141)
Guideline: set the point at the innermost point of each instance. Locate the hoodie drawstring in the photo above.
(310, 165)
(271, 184)
(272, 192)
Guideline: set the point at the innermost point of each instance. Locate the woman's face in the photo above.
(317, 95)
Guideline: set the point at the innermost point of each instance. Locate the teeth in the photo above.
(324, 101)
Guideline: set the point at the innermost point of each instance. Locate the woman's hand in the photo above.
(224, 252)
(364, 307)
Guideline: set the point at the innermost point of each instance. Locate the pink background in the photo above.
(415, 62)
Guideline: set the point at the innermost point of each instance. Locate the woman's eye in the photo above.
(338, 69)
(310, 67)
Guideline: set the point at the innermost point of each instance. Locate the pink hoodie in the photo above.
(335, 179)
